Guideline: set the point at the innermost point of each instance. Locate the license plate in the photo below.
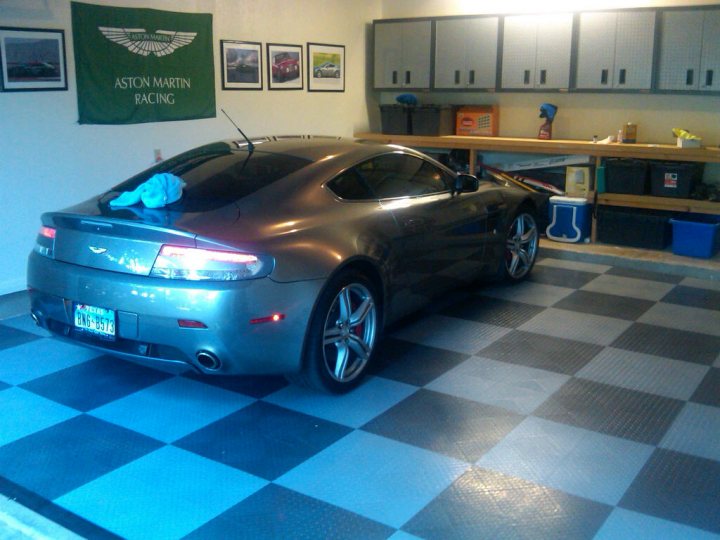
(97, 320)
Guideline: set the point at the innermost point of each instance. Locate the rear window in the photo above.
(219, 176)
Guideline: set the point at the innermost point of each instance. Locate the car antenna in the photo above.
(250, 145)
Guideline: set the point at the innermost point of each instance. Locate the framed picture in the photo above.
(285, 70)
(241, 65)
(32, 59)
(326, 67)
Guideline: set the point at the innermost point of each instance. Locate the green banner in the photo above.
(142, 65)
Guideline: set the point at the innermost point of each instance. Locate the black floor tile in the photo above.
(708, 392)
(484, 504)
(412, 363)
(263, 439)
(11, 337)
(644, 274)
(693, 297)
(542, 352)
(670, 343)
(493, 311)
(611, 410)
(561, 277)
(446, 424)
(94, 383)
(608, 305)
(250, 385)
(275, 512)
(678, 487)
(3, 385)
(63, 457)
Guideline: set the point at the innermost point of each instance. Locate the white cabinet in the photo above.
(536, 51)
(690, 50)
(466, 53)
(402, 54)
(615, 50)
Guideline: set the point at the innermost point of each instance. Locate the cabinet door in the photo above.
(388, 55)
(554, 40)
(680, 49)
(450, 64)
(481, 48)
(519, 51)
(416, 45)
(634, 40)
(466, 53)
(710, 58)
(596, 50)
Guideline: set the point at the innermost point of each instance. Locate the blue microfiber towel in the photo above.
(548, 110)
(161, 189)
(407, 99)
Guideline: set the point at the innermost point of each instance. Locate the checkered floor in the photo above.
(584, 403)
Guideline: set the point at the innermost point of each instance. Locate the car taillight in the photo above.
(177, 262)
(45, 241)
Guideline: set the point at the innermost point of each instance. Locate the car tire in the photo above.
(521, 247)
(342, 334)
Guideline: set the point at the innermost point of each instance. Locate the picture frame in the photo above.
(285, 66)
(32, 59)
(325, 67)
(241, 65)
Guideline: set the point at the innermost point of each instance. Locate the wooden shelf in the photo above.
(537, 146)
(659, 203)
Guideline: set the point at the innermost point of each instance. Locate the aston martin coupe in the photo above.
(281, 256)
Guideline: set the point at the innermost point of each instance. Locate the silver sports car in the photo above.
(286, 256)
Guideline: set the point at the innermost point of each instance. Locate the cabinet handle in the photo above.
(471, 76)
(526, 77)
(709, 77)
(457, 76)
(604, 76)
(543, 76)
(407, 77)
(621, 79)
(394, 77)
(689, 77)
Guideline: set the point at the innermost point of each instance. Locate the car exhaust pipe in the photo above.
(208, 360)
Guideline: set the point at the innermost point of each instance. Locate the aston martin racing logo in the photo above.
(139, 41)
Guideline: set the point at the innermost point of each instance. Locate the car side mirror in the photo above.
(465, 183)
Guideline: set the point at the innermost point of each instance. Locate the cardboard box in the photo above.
(577, 181)
(477, 121)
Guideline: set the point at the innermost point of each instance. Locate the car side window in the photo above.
(400, 175)
(350, 186)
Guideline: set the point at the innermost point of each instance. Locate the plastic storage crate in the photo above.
(672, 179)
(626, 176)
(570, 219)
(395, 120)
(432, 120)
(633, 227)
(696, 235)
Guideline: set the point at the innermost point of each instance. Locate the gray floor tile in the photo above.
(576, 326)
(683, 318)
(629, 287)
(645, 373)
(574, 265)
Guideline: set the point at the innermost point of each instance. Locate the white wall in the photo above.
(49, 161)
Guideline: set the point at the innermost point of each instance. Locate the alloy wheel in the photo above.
(349, 332)
(521, 246)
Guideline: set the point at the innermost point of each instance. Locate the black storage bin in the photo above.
(395, 120)
(626, 176)
(634, 227)
(432, 120)
(674, 179)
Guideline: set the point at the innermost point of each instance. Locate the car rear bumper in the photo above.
(148, 309)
